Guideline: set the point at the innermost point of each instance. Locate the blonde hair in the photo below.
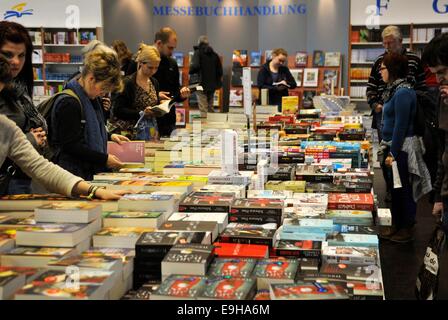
(279, 51)
(392, 31)
(105, 67)
(148, 54)
(96, 45)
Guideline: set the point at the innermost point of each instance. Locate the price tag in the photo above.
(431, 262)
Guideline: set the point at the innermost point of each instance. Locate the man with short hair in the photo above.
(392, 42)
(435, 56)
(168, 77)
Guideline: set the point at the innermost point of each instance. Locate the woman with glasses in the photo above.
(78, 133)
(401, 146)
(141, 92)
(275, 76)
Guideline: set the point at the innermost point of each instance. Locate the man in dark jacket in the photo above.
(207, 64)
(435, 55)
(392, 42)
(168, 77)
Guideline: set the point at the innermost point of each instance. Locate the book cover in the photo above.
(358, 240)
(181, 287)
(301, 59)
(332, 59)
(240, 58)
(319, 200)
(311, 78)
(159, 242)
(132, 215)
(349, 254)
(290, 105)
(351, 201)
(121, 232)
(302, 212)
(331, 81)
(255, 58)
(318, 58)
(229, 288)
(39, 252)
(207, 202)
(179, 57)
(238, 268)
(8, 274)
(89, 262)
(190, 253)
(128, 152)
(309, 225)
(352, 272)
(279, 268)
(354, 229)
(308, 290)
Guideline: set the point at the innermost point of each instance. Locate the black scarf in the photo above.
(391, 88)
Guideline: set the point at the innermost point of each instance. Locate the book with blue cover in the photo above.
(255, 58)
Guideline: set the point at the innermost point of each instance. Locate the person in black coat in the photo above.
(168, 77)
(275, 76)
(207, 64)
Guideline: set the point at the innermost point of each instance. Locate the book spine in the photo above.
(256, 211)
(350, 206)
(199, 208)
(314, 178)
(244, 240)
(151, 251)
(297, 253)
(255, 219)
(283, 176)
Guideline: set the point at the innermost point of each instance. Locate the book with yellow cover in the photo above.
(290, 105)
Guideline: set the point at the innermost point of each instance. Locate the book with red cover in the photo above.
(236, 250)
(129, 152)
(229, 288)
(350, 201)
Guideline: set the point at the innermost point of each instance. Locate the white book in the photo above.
(146, 202)
(221, 218)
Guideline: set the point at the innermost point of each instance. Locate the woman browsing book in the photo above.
(275, 76)
(15, 146)
(78, 135)
(132, 109)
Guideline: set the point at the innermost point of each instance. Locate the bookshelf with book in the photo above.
(314, 73)
(366, 45)
(57, 56)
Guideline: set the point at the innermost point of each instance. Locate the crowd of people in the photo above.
(112, 98)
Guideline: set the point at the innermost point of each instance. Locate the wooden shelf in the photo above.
(359, 81)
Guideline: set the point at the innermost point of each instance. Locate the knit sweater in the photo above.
(14, 144)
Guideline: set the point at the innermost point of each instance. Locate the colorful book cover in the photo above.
(238, 268)
(240, 58)
(121, 232)
(84, 206)
(237, 250)
(229, 288)
(301, 59)
(7, 274)
(179, 57)
(257, 206)
(177, 286)
(81, 261)
(294, 248)
(290, 105)
(277, 268)
(132, 215)
(39, 252)
(53, 228)
(116, 253)
(332, 59)
(309, 290)
(318, 58)
(255, 58)
(351, 201)
(190, 253)
(169, 238)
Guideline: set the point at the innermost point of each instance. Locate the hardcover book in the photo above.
(228, 288)
(238, 268)
(128, 152)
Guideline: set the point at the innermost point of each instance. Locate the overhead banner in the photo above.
(64, 13)
(386, 12)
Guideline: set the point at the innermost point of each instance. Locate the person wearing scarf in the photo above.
(400, 145)
(82, 147)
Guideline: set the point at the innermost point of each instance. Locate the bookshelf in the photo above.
(57, 56)
(366, 46)
(301, 91)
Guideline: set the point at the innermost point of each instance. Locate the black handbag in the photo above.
(5, 179)
(427, 284)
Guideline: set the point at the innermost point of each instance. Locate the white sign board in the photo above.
(247, 92)
(387, 12)
(69, 14)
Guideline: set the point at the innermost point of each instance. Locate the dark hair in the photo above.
(164, 34)
(122, 50)
(397, 64)
(436, 52)
(5, 70)
(18, 34)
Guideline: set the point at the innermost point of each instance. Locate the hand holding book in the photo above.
(281, 84)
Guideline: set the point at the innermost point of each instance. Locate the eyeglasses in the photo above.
(383, 68)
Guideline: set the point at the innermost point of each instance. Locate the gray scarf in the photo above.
(391, 88)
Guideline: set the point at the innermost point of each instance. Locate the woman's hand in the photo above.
(185, 92)
(105, 194)
(389, 161)
(118, 138)
(149, 113)
(164, 95)
(107, 103)
(113, 162)
(40, 136)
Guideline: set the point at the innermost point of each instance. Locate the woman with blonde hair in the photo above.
(141, 91)
(78, 134)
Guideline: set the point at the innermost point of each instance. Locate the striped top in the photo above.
(376, 85)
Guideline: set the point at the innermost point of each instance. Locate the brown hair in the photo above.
(122, 50)
(164, 34)
(279, 51)
(397, 65)
(105, 67)
(18, 34)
